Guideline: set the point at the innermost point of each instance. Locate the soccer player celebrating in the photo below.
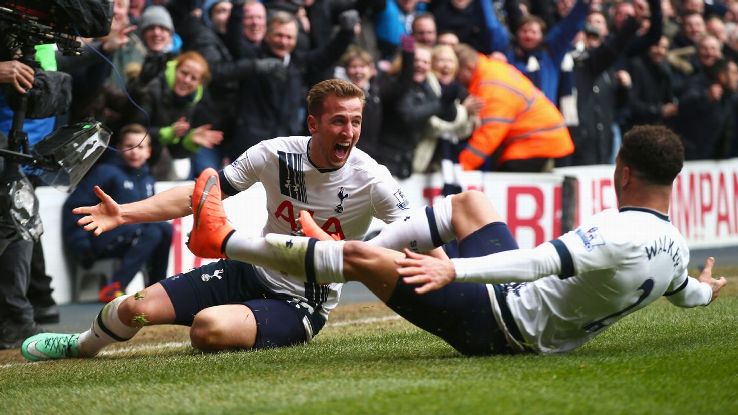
(232, 304)
(501, 299)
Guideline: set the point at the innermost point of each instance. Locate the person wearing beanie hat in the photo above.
(157, 29)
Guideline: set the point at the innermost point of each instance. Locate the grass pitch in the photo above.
(660, 360)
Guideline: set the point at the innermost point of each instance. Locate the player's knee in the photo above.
(475, 207)
(133, 311)
(207, 331)
(462, 201)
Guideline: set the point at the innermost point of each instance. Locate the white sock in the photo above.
(420, 232)
(107, 328)
(270, 252)
(328, 261)
(288, 254)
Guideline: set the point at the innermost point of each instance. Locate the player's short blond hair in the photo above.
(337, 87)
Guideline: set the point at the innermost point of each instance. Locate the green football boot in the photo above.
(47, 346)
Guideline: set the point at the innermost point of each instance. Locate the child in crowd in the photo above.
(125, 178)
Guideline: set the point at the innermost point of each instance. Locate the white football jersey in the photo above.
(616, 263)
(342, 201)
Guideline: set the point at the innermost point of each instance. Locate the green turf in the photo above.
(661, 360)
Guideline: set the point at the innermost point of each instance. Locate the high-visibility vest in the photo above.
(516, 116)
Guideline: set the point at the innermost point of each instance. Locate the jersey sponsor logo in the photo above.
(216, 274)
(402, 201)
(342, 195)
(590, 238)
(664, 245)
(286, 212)
(127, 184)
(291, 176)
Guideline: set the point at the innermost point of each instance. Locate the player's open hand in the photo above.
(102, 217)
(428, 272)
(706, 277)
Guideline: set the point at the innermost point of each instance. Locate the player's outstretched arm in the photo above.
(108, 214)
(706, 278)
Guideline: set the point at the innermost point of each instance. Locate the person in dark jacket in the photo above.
(406, 119)
(379, 89)
(652, 99)
(706, 119)
(273, 105)
(126, 178)
(600, 92)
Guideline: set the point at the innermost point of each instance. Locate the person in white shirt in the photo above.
(501, 299)
(232, 304)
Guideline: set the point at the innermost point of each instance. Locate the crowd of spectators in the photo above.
(210, 78)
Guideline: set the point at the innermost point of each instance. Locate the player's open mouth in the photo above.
(341, 150)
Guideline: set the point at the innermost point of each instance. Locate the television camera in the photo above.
(63, 157)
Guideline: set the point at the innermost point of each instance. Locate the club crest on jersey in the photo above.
(216, 274)
(590, 238)
(402, 201)
(341, 197)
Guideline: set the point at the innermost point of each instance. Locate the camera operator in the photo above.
(19, 227)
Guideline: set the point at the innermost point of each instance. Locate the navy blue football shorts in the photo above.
(460, 313)
(281, 320)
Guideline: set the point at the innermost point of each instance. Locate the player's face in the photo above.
(135, 150)
(335, 132)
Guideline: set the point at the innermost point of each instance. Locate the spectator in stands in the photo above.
(693, 68)
(473, 21)
(539, 56)
(170, 100)
(692, 30)
(272, 105)
(126, 178)
(392, 22)
(652, 99)
(406, 120)
(160, 40)
(601, 90)
(707, 113)
(136, 11)
(99, 89)
(448, 38)
(217, 107)
(379, 89)
(457, 117)
(424, 30)
(521, 130)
